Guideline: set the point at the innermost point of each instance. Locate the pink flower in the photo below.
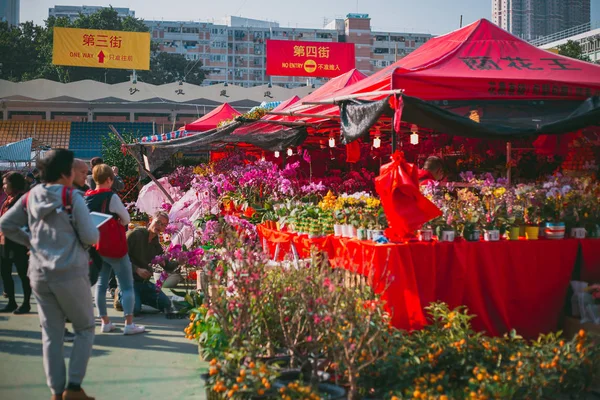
(316, 319)
(309, 338)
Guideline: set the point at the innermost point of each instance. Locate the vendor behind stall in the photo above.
(433, 171)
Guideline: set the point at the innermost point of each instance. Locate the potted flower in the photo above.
(532, 210)
(469, 214)
(338, 226)
(444, 228)
(554, 211)
(493, 202)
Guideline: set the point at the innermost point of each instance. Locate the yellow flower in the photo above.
(499, 192)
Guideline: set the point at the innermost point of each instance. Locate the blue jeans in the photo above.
(123, 271)
(146, 294)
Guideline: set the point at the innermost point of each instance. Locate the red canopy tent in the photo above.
(517, 89)
(212, 119)
(483, 61)
(278, 131)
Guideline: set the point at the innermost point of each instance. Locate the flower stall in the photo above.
(305, 282)
(301, 292)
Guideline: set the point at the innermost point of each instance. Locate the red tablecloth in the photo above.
(506, 284)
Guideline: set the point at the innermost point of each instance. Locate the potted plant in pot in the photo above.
(237, 374)
(360, 336)
(532, 210)
(554, 211)
(469, 215)
(139, 219)
(494, 206)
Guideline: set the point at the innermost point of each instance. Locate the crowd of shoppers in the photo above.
(47, 233)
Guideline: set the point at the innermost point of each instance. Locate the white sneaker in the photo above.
(133, 329)
(106, 328)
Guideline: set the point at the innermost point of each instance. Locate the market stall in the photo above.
(508, 284)
(203, 124)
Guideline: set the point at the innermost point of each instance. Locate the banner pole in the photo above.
(508, 162)
(141, 165)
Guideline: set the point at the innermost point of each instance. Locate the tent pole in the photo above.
(394, 141)
(336, 100)
(141, 165)
(300, 115)
(508, 162)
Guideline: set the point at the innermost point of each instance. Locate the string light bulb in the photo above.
(377, 142)
(290, 152)
(331, 142)
(276, 154)
(414, 136)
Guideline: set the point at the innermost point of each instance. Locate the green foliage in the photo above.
(573, 49)
(113, 156)
(27, 53)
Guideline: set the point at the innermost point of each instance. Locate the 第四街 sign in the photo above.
(316, 59)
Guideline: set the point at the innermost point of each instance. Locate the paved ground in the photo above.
(160, 364)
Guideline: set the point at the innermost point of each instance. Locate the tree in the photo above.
(27, 53)
(167, 67)
(113, 155)
(573, 49)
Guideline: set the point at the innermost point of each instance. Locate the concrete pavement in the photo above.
(159, 364)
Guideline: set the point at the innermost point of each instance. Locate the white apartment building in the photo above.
(72, 12)
(234, 52)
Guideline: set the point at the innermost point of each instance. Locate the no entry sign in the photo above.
(316, 59)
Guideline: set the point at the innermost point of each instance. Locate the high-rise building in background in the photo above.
(72, 12)
(234, 51)
(9, 11)
(532, 19)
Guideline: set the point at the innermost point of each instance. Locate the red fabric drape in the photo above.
(508, 285)
(405, 207)
(590, 268)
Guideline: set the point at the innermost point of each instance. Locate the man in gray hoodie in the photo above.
(58, 268)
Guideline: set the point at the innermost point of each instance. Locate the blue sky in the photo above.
(428, 16)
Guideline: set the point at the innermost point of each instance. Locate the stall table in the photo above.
(508, 285)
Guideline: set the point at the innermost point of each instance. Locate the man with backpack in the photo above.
(58, 269)
(112, 247)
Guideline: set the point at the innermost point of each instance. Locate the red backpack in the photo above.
(113, 242)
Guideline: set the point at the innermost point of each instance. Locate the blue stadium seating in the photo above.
(86, 137)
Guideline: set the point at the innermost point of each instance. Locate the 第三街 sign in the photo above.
(101, 49)
(316, 59)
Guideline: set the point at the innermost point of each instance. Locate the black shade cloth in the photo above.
(358, 116)
(273, 141)
(157, 153)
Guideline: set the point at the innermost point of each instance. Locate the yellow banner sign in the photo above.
(101, 49)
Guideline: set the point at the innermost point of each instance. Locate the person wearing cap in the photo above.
(90, 180)
(31, 181)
